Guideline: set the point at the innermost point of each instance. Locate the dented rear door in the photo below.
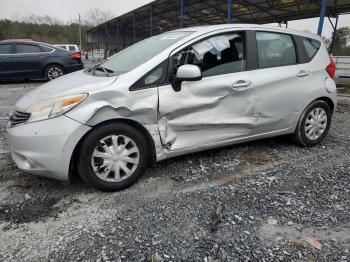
(207, 111)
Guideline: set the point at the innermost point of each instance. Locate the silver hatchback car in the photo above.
(179, 92)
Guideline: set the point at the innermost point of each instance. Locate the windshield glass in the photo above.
(141, 52)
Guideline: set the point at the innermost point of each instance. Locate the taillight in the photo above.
(75, 56)
(331, 68)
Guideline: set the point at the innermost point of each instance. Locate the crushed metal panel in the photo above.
(206, 112)
(140, 106)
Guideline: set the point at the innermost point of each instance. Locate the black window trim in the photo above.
(281, 33)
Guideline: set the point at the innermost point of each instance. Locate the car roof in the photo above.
(23, 41)
(211, 28)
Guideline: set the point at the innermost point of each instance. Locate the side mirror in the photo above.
(186, 73)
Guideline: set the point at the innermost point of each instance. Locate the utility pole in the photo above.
(80, 45)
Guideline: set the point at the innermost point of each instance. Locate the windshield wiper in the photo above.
(105, 70)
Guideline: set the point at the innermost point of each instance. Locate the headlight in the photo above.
(50, 108)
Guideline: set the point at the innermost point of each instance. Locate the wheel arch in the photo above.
(133, 123)
(51, 64)
(327, 100)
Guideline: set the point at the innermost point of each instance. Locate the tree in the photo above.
(50, 29)
(44, 32)
(96, 16)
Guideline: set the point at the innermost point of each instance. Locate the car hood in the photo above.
(74, 83)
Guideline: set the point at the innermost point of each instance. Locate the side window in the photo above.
(46, 49)
(223, 54)
(152, 78)
(275, 49)
(311, 47)
(27, 49)
(71, 48)
(5, 49)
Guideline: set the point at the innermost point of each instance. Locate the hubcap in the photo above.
(54, 72)
(316, 123)
(115, 158)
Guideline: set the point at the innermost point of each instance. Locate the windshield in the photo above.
(141, 52)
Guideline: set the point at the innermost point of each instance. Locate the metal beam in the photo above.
(322, 15)
(229, 11)
(181, 13)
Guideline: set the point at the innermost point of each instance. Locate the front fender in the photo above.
(139, 106)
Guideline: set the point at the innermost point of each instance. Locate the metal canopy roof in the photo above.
(163, 15)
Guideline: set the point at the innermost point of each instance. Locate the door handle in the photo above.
(241, 85)
(303, 73)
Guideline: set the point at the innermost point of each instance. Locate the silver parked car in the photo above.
(179, 92)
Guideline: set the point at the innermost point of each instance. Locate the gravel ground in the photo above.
(252, 202)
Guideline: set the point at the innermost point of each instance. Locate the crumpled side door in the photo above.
(212, 110)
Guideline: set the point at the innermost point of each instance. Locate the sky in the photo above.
(66, 10)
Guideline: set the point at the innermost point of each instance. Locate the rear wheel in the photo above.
(112, 157)
(314, 124)
(53, 71)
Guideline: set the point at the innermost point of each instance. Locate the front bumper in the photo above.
(45, 147)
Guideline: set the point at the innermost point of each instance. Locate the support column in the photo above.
(124, 39)
(86, 42)
(181, 13)
(151, 21)
(98, 45)
(322, 15)
(229, 11)
(334, 36)
(106, 41)
(134, 36)
(117, 37)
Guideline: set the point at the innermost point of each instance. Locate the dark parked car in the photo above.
(34, 60)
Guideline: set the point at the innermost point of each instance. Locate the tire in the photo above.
(53, 71)
(304, 134)
(107, 174)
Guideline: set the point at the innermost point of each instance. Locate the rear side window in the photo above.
(311, 47)
(46, 49)
(72, 48)
(5, 49)
(275, 49)
(27, 49)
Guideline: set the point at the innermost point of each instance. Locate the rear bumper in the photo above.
(45, 148)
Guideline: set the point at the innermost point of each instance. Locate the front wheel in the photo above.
(112, 157)
(314, 124)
